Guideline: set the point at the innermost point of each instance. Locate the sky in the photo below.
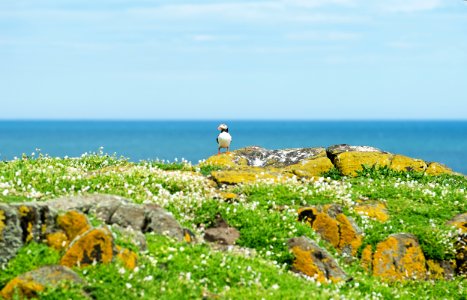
(284, 59)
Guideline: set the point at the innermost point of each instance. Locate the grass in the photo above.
(265, 213)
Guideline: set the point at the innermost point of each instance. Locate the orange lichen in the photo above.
(128, 258)
(367, 257)
(386, 252)
(57, 240)
(2, 221)
(304, 263)
(393, 261)
(348, 235)
(24, 288)
(73, 223)
(327, 227)
(94, 246)
(228, 195)
(413, 263)
(376, 211)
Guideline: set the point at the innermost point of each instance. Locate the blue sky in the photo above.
(289, 59)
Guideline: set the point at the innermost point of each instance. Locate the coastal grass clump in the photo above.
(264, 212)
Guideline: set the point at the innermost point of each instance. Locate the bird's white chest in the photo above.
(224, 139)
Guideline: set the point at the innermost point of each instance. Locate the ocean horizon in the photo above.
(194, 140)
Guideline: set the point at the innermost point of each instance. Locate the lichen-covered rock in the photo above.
(460, 222)
(36, 220)
(440, 270)
(311, 167)
(73, 223)
(243, 176)
(84, 203)
(127, 257)
(10, 233)
(348, 163)
(58, 240)
(314, 262)
(339, 230)
(31, 283)
(375, 210)
(95, 245)
(404, 163)
(399, 257)
(225, 160)
(435, 168)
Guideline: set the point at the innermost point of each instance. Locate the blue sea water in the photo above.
(441, 141)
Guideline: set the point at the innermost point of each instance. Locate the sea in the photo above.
(440, 141)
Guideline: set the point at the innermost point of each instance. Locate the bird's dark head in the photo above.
(223, 128)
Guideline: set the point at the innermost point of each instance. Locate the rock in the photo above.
(333, 226)
(95, 245)
(349, 159)
(129, 215)
(243, 176)
(10, 233)
(435, 168)
(58, 240)
(375, 210)
(84, 203)
(132, 236)
(128, 258)
(460, 221)
(397, 258)
(310, 168)
(404, 163)
(314, 262)
(440, 270)
(29, 284)
(162, 222)
(73, 223)
(36, 220)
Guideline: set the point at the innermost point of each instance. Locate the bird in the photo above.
(223, 139)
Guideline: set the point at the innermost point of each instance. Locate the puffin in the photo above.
(223, 139)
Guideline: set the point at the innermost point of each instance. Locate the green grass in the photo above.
(264, 213)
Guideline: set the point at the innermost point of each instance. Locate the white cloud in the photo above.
(408, 6)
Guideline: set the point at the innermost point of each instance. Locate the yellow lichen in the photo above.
(376, 211)
(435, 271)
(304, 263)
(349, 163)
(461, 225)
(2, 222)
(413, 263)
(228, 195)
(23, 210)
(30, 236)
(95, 245)
(57, 240)
(24, 288)
(73, 223)
(437, 169)
(242, 176)
(404, 163)
(225, 160)
(348, 235)
(311, 167)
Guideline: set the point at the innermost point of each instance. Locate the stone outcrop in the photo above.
(399, 257)
(61, 221)
(460, 222)
(29, 284)
(315, 262)
(221, 233)
(255, 163)
(339, 230)
(374, 210)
